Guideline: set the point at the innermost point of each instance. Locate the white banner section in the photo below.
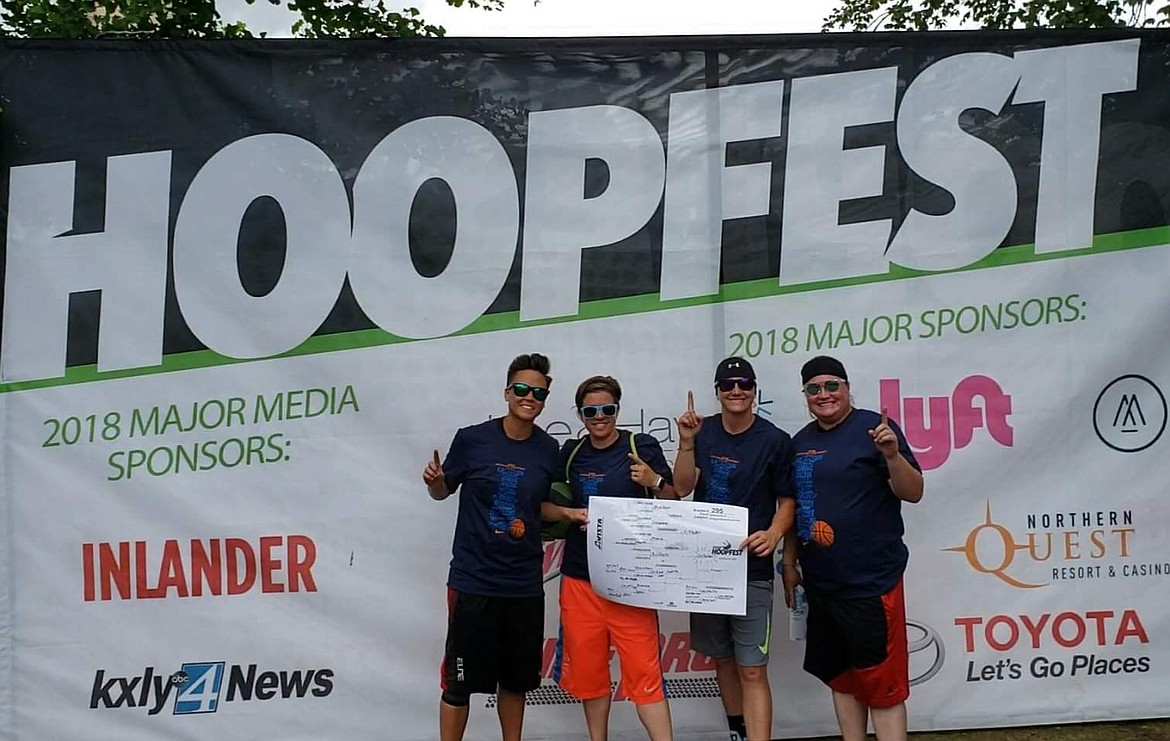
(669, 555)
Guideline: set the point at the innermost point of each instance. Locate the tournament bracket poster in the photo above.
(249, 287)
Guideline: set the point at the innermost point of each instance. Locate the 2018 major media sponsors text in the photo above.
(198, 416)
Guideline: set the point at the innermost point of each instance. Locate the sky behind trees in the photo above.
(585, 17)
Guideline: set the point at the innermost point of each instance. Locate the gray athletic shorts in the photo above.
(747, 638)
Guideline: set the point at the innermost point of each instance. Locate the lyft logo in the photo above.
(939, 424)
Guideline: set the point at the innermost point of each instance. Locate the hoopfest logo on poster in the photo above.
(938, 425)
(347, 222)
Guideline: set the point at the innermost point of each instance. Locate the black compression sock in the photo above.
(736, 725)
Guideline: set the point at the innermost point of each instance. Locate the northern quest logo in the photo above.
(1130, 414)
(992, 548)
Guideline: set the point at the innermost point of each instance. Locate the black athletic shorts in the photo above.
(492, 642)
(859, 646)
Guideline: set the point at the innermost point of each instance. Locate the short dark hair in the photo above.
(530, 361)
(608, 384)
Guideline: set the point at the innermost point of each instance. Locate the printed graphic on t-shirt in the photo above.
(502, 515)
(590, 484)
(719, 482)
(803, 466)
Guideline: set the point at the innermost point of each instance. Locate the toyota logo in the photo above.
(926, 650)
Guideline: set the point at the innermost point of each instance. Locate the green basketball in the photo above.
(562, 496)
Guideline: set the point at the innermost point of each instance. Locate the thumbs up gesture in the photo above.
(689, 422)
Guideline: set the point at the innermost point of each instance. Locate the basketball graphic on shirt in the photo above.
(822, 533)
(516, 529)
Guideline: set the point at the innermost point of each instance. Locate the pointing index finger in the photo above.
(690, 401)
(885, 417)
(438, 462)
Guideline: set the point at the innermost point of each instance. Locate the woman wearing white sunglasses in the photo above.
(614, 463)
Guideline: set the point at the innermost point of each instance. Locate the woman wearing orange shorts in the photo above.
(611, 463)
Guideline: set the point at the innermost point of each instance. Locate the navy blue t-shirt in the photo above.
(603, 473)
(750, 469)
(497, 551)
(842, 479)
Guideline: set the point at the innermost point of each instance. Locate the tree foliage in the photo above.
(74, 19)
(926, 15)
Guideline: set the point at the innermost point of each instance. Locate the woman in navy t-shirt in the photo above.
(608, 462)
(502, 470)
(852, 470)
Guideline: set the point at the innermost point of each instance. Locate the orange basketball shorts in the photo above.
(590, 624)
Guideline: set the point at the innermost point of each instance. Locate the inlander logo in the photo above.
(133, 570)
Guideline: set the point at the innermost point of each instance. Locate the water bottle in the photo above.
(798, 615)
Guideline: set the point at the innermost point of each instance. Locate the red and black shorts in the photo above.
(858, 646)
(493, 643)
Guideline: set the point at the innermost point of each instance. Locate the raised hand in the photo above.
(433, 474)
(640, 473)
(884, 438)
(689, 422)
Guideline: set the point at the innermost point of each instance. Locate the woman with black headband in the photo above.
(853, 469)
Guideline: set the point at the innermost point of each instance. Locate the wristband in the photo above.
(659, 484)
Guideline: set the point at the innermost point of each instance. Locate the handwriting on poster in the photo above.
(229, 418)
(668, 555)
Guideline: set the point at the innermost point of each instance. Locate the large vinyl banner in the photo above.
(249, 288)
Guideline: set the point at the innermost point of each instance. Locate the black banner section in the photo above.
(499, 158)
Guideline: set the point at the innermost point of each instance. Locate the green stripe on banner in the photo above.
(605, 308)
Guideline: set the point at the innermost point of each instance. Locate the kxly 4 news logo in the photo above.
(197, 687)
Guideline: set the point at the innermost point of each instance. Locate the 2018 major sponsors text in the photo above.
(932, 323)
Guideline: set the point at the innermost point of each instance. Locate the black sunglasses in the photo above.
(813, 389)
(522, 389)
(727, 384)
(598, 410)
